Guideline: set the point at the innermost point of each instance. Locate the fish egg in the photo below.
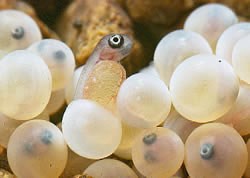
(17, 31)
(158, 152)
(37, 149)
(59, 58)
(203, 88)
(90, 130)
(215, 149)
(25, 85)
(143, 101)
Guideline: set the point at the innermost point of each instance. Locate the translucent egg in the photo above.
(229, 38)
(150, 70)
(158, 152)
(203, 88)
(90, 130)
(239, 115)
(59, 58)
(37, 149)
(71, 87)
(143, 101)
(25, 85)
(247, 171)
(129, 134)
(215, 149)
(210, 21)
(56, 101)
(109, 168)
(240, 59)
(180, 125)
(17, 31)
(175, 48)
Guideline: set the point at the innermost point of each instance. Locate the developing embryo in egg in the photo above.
(37, 149)
(17, 31)
(59, 58)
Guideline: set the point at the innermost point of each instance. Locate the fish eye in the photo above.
(18, 33)
(116, 41)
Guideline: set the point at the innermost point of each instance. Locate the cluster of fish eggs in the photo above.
(189, 108)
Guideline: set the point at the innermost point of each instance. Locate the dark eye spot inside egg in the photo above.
(149, 139)
(46, 137)
(59, 55)
(206, 151)
(18, 33)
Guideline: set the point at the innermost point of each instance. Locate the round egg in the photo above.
(158, 152)
(215, 149)
(17, 31)
(59, 58)
(37, 149)
(25, 85)
(203, 88)
(143, 101)
(90, 130)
